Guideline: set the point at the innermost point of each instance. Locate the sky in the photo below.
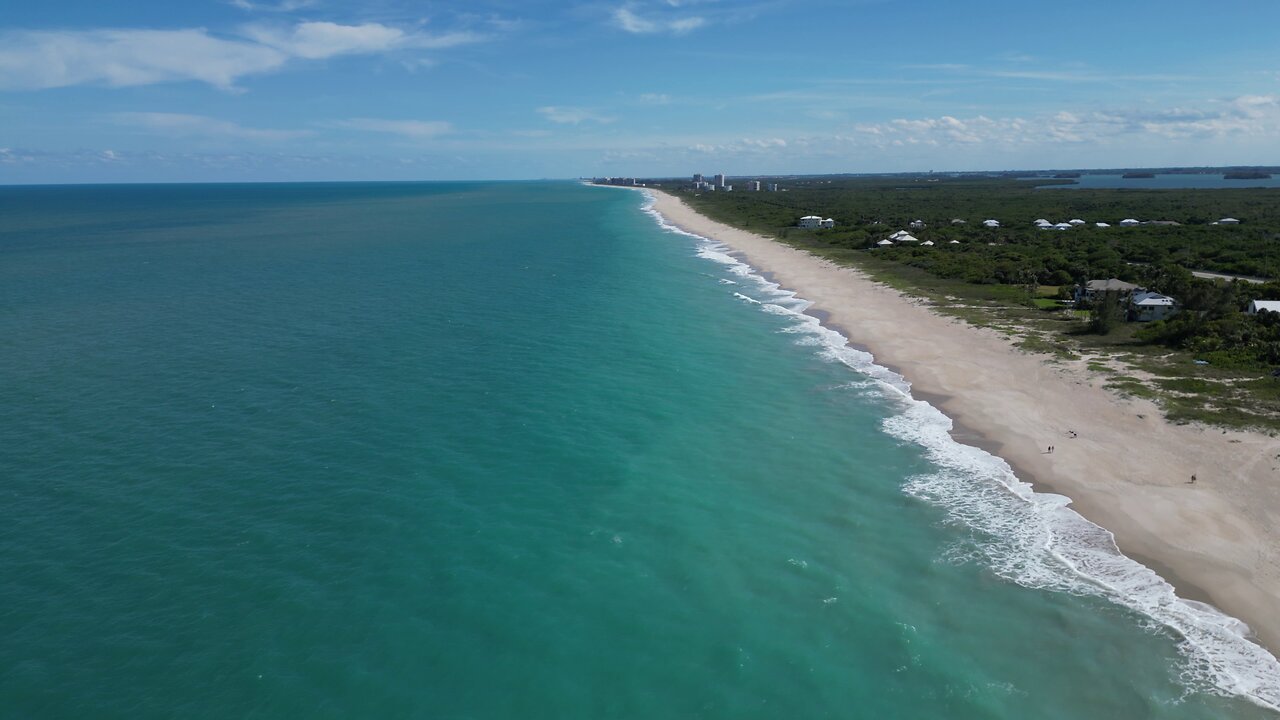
(286, 90)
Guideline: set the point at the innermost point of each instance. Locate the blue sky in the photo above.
(244, 90)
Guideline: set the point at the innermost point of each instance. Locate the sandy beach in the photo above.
(1216, 539)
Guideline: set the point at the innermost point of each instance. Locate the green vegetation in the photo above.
(1019, 279)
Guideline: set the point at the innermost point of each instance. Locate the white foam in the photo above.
(1033, 539)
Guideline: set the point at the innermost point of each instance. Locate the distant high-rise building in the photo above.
(697, 178)
(753, 185)
(773, 187)
(719, 179)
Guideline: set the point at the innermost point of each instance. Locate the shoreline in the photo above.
(1217, 540)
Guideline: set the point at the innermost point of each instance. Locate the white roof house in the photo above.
(828, 223)
(905, 238)
(1257, 306)
(1102, 224)
(957, 221)
(954, 242)
(1129, 222)
(927, 242)
(899, 234)
(810, 221)
(885, 241)
(1042, 222)
(1063, 226)
(1076, 221)
(1228, 221)
(991, 223)
(915, 224)
(1148, 306)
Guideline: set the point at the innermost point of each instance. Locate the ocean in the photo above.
(513, 450)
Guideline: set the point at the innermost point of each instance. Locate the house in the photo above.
(899, 234)
(1063, 226)
(828, 223)
(1129, 222)
(1076, 221)
(1164, 222)
(957, 221)
(810, 221)
(916, 224)
(1228, 221)
(954, 242)
(905, 238)
(1145, 306)
(1042, 223)
(1102, 225)
(926, 242)
(991, 223)
(1094, 289)
(1258, 306)
(885, 242)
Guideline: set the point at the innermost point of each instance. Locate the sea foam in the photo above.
(1030, 538)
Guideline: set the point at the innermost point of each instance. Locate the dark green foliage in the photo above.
(1106, 313)
(1017, 258)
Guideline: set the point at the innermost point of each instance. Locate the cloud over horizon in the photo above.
(38, 60)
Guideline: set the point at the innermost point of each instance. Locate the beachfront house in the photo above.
(1146, 306)
(810, 221)
(828, 223)
(1257, 306)
(1095, 289)
(1129, 222)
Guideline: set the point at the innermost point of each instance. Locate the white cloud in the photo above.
(318, 40)
(572, 115)
(184, 125)
(119, 58)
(1246, 115)
(416, 129)
(283, 6)
(655, 99)
(630, 21)
(31, 60)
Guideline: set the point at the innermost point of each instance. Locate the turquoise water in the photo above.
(1165, 182)
(510, 451)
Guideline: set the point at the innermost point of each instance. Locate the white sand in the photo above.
(1216, 540)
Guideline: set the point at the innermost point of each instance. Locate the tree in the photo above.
(1106, 314)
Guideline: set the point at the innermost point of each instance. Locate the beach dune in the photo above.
(1216, 539)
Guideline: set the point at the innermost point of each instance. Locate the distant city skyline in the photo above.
(238, 90)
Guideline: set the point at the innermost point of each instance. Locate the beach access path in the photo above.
(1216, 537)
